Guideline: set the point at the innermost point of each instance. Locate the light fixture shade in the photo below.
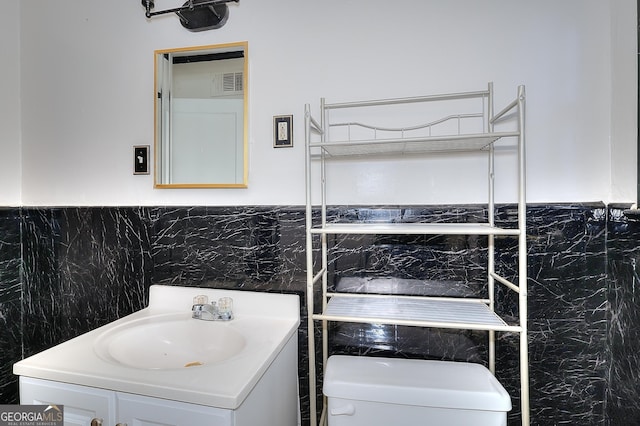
(205, 17)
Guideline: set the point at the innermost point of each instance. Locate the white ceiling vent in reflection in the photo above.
(227, 84)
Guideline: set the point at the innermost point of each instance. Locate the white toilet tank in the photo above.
(367, 391)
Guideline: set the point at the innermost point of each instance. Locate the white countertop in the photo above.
(267, 320)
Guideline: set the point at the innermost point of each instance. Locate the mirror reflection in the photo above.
(201, 117)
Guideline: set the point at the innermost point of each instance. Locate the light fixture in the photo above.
(196, 15)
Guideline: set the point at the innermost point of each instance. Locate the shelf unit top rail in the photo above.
(449, 133)
(406, 100)
(319, 128)
(429, 124)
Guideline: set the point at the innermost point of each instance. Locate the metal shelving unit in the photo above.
(391, 142)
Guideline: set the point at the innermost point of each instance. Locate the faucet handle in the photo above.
(201, 299)
(225, 308)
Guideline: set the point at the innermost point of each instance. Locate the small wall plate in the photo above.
(141, 160)
(283, 131)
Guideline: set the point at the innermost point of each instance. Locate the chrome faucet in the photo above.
(205, 311)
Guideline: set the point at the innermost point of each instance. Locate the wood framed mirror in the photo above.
(201, 120)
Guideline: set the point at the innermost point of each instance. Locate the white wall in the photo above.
(9, 104)
(87, 92)
(624, 100)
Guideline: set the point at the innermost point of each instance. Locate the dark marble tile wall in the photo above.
(623, 257)
(10, 303)
(248, 247)
(77, 268)
(83, 268)
(567, 314)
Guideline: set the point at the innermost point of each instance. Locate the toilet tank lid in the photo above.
(426, 383)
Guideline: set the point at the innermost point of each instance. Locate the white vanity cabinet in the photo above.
(82, 404)
(137, 410)
(255, 383)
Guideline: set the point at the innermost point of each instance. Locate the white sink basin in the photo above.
(171, 341)
(160, 351)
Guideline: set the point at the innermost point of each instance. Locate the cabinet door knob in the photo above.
(121, 424)
(96, 422)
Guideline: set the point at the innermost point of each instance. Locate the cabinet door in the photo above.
(136, 410)
(81, 404)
